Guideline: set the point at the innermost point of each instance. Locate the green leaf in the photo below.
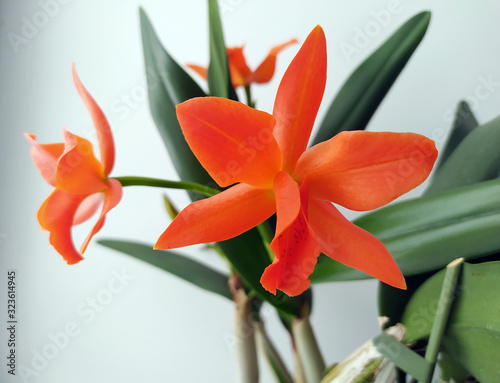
(473, 333)
(463, 124)
(403, 357)
(168, 85)
(219, 79)
(367, 86)
(176, 264)
(392, 301)
(476, 159)
(451, 369)
(425, 234)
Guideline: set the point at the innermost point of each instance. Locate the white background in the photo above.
(159, 328)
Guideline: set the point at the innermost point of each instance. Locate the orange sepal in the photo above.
(45, 157)
(294, 245)
(265, 71)
(112, 196)
(218, 218)
(202, 71)
(347, 243)
(104, 135)
(365, 170)
(238, 68)
(56, 216)
(78, 171)
(299, 96)
(232, 141)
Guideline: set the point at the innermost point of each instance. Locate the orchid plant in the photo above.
(265, 201)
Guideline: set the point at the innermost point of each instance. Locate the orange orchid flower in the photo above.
(241, 74)
(81, 182)
(265, 157)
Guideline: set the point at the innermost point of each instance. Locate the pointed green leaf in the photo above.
(463, 124)
(362, 93)
(473, 332)
(219, 79)
(168, 85)
(176, 264)
(425, 234)
(476, 159)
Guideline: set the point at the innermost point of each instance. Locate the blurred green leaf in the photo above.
(219, 78)
(168, 85)
(473, 333)
(169, 207)
(176, 264)
(364, 90)
(392, 301)
(451, 369)
(463, 124)
(425, 234)
(475, 159)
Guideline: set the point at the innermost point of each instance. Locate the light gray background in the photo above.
(158, 328)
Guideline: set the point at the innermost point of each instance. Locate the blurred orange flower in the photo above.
(81, 181)
(241, 74)
(265, 157)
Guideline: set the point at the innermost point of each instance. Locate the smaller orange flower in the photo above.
(81, 181)
(241, 74)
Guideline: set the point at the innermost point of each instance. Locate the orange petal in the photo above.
(232, 141)
(294, 246)
(88, 208)
(365, 170)
(240, 72)
(45, 157)
(56, 215)
(218, 218)
(265, 70)
(202, 71)
(78, 171)
(104, 135)
(112, 195)
(349, 244)
(299, 96)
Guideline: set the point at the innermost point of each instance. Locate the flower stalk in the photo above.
(245, 346)
(308, 351)
(271, 354)
(156, 182)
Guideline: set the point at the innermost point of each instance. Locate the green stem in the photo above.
(442, 313)
(307, 348)
(272, 356)
(156, 182)
(248, 94)
(245, 346)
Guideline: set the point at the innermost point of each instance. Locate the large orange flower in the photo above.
(81, 182)
(265, 157)
(241, 74)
